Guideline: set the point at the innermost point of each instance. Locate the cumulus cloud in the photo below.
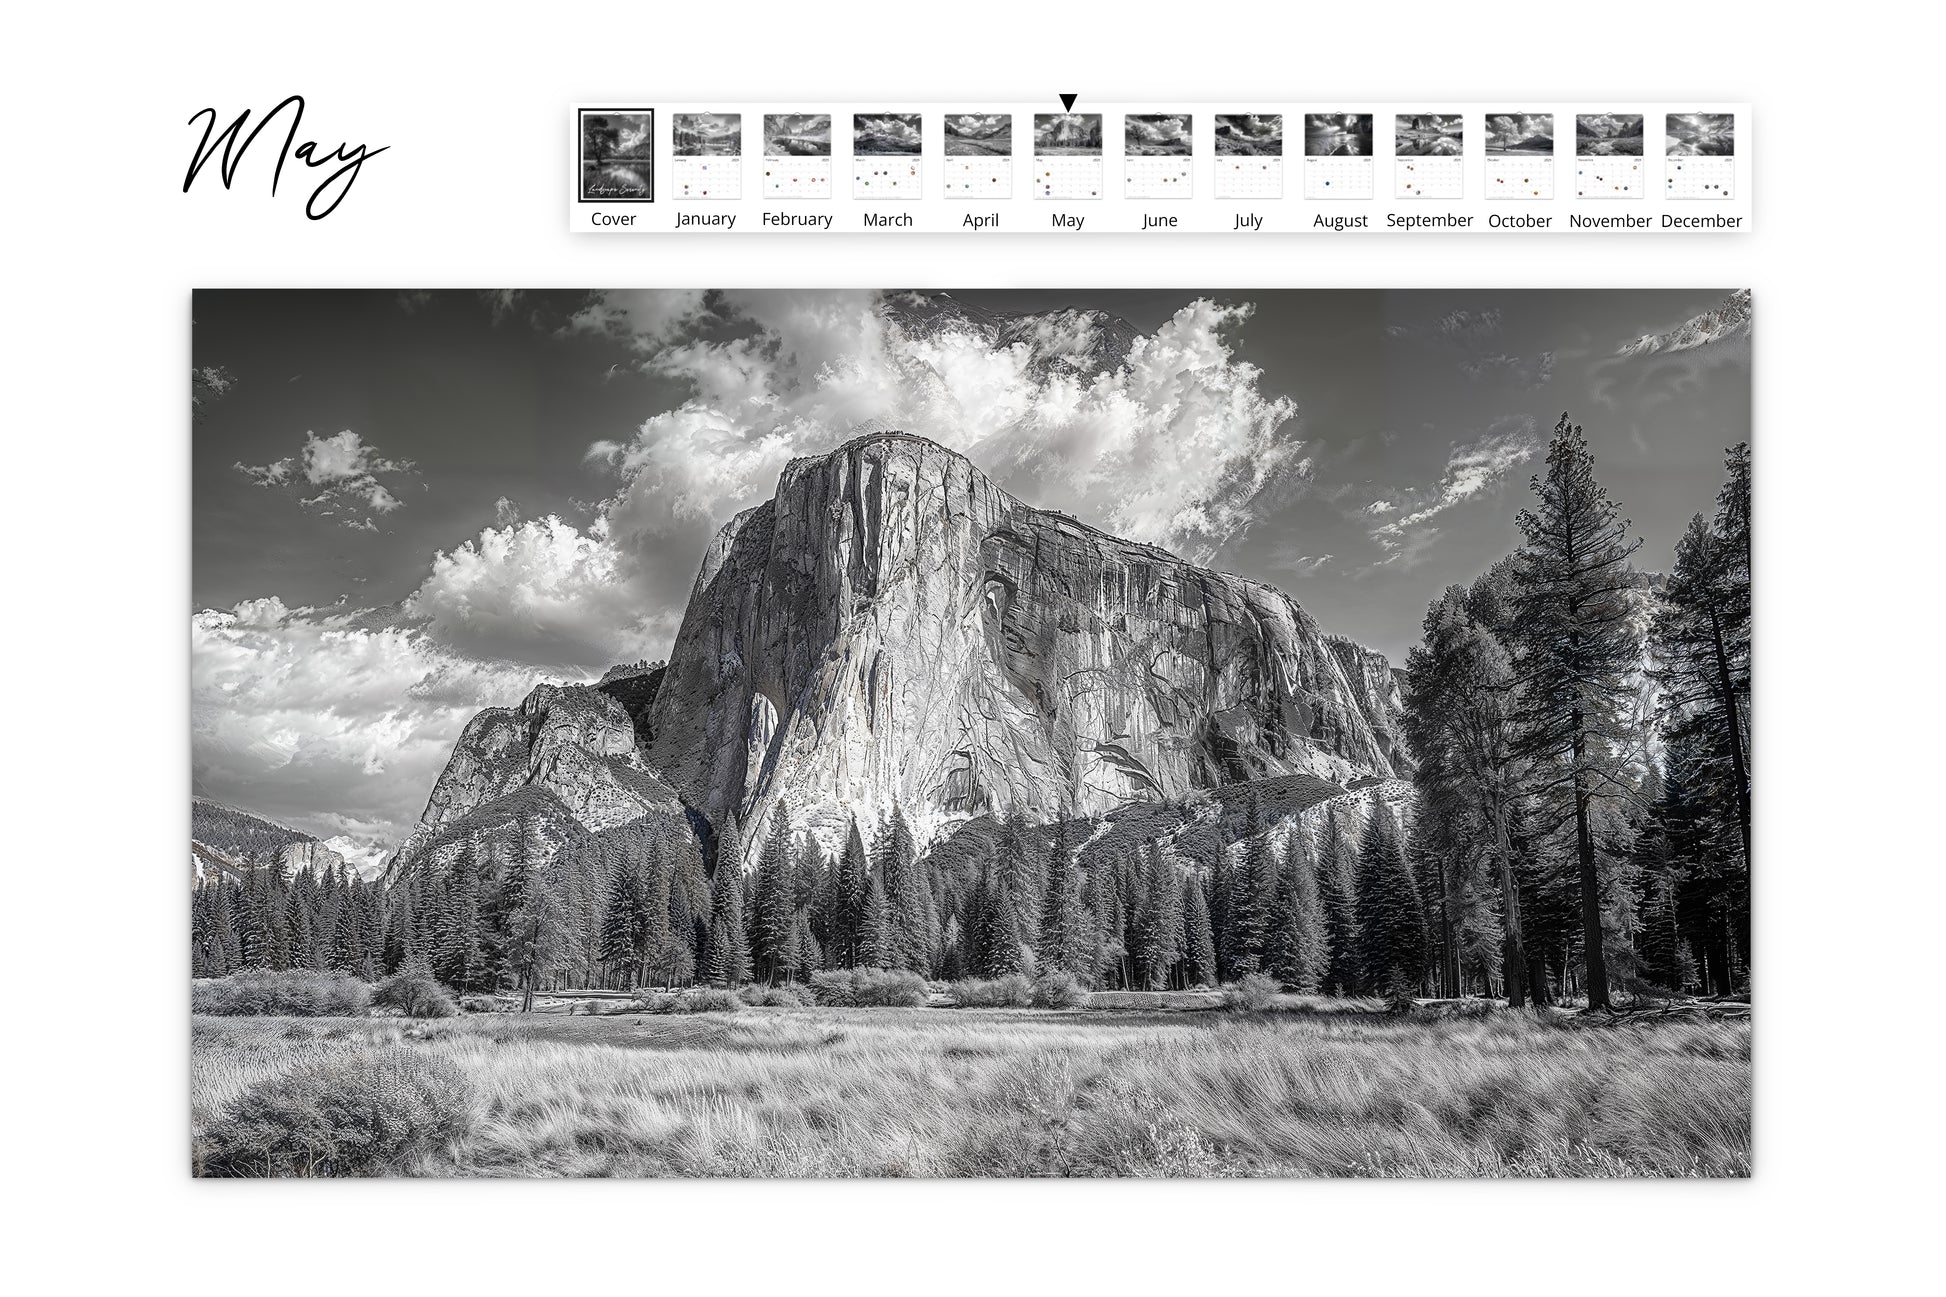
(1166, 444)
(293, 709)
(541, 593)
(344, 469)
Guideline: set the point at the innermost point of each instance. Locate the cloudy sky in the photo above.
(409, 506)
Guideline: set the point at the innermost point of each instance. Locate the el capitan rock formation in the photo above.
(893, 628)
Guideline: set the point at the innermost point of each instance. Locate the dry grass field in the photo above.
(1003, 1092)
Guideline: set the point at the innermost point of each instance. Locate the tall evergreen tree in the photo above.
(1391, 924)
(1459, 720)
(1338, 896)
(1253, 892)
(1160, 918)
(1198, 939)
(1059, 948)
(877, 945)
(727, 956)
(1575, 616)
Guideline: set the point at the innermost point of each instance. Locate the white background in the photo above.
(102, 250)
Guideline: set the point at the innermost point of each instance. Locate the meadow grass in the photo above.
(1029, 1092)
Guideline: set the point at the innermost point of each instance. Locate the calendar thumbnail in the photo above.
(1608, 155)
(617, 155)
(1338, 156)
(707, 156)
(979, 155)
(1156, 155)
(1249, 156)
(1067, 155)
(1520, 156)
(797, 155)
(1699, 156)
(885, 155)
(1426, 150)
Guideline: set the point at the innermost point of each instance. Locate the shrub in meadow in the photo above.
(1254, 994)
(709, 999)
(872, 987)
(1009, 992)
(295, 993)
(374, 1111)
(787, 996)
(416, 995)
(888, 988)
(1058, 990)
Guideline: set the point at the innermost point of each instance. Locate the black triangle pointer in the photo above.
(1067, 101)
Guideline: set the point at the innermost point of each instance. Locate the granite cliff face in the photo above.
(225, 840)
(565, 760)
(892, 628)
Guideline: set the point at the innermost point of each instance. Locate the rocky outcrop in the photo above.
(226, 840)
(575, 745)
(892, 628)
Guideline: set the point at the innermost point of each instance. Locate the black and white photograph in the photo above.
(1428, 135)
(1108, 733)
(885, 134)
(1250, 134)
(707, 135)
(1337, 135)
(797, 135)
(1067, 134)
(1521, 134)
(1156, 135)
(617, 155)
(1608, 135)
(1700, 135)
(979, 135)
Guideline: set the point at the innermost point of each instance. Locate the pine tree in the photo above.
(1001, 945)
(1574, 603)
(537, 941)
(773, 910)
(1253, 892)
(854, 880)
(727, 961)
(908, 895)
(1160, 919)
(1391, 924)
(1303, 956)
(876, 946)
(622, 922)
(1701, 635)
(1459, 711)
(1059, 948)
(1198, 941)
(1222, 914)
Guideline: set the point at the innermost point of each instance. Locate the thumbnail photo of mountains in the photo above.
(1600, 135)
(885, 134)
(1250, 134)
(797, 135)
(976, 135)
(1056, 134)
(1102, 733)
(1337, 135)
(1156, 135)
(707, 135)
(1521, 134)
(1700, 135)
(1428, 135)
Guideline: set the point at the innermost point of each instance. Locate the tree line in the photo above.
(1578, 821)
